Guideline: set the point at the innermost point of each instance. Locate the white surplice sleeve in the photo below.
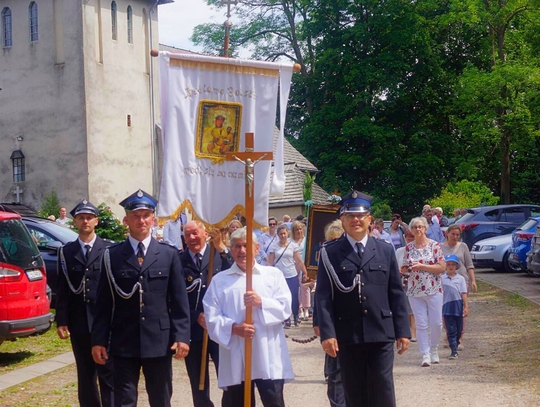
(277, 307)
(219, 326)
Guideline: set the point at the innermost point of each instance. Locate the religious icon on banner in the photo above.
(218, 129)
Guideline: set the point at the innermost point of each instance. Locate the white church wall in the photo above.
(117, 83)
(42, 101)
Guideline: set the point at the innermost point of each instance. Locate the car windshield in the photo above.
(465, 218)
(17, 246)
(63, 233)
(528, 224)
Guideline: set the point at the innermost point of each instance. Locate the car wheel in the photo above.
(509, 267)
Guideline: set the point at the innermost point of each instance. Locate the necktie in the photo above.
(199, 261)
(360, 248)
(88, 248)
(140, 253)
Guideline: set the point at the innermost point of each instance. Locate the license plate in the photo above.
(34, 275)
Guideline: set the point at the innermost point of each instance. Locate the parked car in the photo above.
(521, 243)
(49, 236)
(489, 221)
(493, 253)
(533, 257)
(24, 306)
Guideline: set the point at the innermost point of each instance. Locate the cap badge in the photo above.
(354, 195)
(190, 278)
(140, 194)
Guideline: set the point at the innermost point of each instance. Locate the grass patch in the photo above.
(33, 349)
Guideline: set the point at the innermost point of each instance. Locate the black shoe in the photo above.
(454, 355)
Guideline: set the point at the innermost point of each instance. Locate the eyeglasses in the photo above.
(418, 227)
(272, 224)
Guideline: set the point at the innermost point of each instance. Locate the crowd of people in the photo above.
(180, 291)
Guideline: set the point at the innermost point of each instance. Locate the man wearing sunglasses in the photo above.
(266, 240)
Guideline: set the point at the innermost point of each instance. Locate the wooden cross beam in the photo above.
(249, 158)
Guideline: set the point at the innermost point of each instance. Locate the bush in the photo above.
(381, 210)
(50, 206)
(463, 194)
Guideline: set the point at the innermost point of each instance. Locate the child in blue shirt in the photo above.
(455, 306)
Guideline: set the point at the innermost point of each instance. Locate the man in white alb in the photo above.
(225, 308)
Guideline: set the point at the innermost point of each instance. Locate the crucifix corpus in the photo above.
(249, 158)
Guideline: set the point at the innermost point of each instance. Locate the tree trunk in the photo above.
(505, 167)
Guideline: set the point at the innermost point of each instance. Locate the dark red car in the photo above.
(24, 306)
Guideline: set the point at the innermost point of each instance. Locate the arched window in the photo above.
(130, 24)
(113, 21)
(7, 34)
(33, 17)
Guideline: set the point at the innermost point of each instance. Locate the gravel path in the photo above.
(500, 366)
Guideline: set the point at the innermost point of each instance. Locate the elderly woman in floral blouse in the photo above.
(424, 260)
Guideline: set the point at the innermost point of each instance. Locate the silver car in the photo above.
(493, 253)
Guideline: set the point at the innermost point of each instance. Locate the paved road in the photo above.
(521, 283)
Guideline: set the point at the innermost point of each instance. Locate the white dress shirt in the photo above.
(353, 242)
(135, 244)
(224, 306)
(90, 243)
(194, 255)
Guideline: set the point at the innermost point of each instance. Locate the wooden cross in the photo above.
(249, 158)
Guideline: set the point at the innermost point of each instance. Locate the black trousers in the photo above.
(367, 374)
(335, 392)
(88, 374)
(201, 398)
(454, 328)
(271, 392)
(158, 379)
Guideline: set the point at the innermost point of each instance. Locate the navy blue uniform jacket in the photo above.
(380, 315)
(191, 272)
(77, 311)
(165, 315)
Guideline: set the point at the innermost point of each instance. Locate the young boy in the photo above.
(455, 306)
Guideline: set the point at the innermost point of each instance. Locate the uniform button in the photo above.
(143, 319)
(87, 279)
(159, 273)
(87, 290)
(364, 298)
(123, 274)
(203, 286)
(86, 269)
(390, 312)
(142, 278)
(361, 271)
(142, 305)
(362, 284)
(343, 267)
(88, 301)
(200, 274)
(365, 312)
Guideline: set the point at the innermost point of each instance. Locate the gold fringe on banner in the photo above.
(211, 66)
(221, 224)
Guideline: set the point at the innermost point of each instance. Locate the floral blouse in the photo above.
(423, 283)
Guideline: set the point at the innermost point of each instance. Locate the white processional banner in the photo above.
(207, 106)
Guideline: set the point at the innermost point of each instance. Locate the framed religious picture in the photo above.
(218, 129)
(319, 217)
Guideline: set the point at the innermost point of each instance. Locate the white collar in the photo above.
(236, 270)
(135, 243)
(203, 250)
(353, 241)
(90, 243)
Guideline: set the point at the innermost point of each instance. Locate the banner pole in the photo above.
(205, 335)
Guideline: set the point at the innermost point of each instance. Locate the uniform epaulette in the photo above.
(110, 241)
(330, 242)
(69, 243)
(114, 244)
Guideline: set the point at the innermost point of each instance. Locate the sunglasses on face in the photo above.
(272, 224)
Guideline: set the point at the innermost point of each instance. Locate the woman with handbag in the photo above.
(285, 255)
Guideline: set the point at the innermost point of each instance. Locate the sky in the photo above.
(177, 20)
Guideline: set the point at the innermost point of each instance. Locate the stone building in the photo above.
(76, 99)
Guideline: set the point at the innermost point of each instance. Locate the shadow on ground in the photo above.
(11, 358)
